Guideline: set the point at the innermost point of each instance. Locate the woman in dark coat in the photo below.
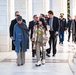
(21, 40)
(13, 22)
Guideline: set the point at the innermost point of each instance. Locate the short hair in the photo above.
(69, 16)
(34, 16)
(16, 12)
(19, 18)
(42, 15)
(50, 12)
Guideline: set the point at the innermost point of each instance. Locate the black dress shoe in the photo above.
(38, 65)
(59, 42)
(53, 55)
(18, 65)
(33, 55)
(68, 40)
(47, 55)
(62, 42)
(22, 64)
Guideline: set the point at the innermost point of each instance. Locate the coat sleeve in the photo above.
(57, 25)
(73, 27)
(48, 21)
(65, 23)
(29, 28)
(24, 21)
(11, 29)
(14, 33)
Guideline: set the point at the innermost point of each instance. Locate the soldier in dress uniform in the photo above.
(62, 28)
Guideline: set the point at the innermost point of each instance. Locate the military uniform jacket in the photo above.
(62, 24)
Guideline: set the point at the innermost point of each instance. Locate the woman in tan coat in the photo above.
(40, 39)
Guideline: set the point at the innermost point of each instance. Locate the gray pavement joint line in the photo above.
(69, 63)
(6, 57)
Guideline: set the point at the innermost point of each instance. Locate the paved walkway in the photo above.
(61, 64)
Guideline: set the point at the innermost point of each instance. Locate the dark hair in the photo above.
(43, 22)
(69, 17)
(34, 16)
(16, 12)
(50, 12)
(19, 18)
(46, 16)
(42, 15)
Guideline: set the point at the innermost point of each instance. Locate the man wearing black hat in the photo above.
(13, 22)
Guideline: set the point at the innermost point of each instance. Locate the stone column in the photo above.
(25, 9)
(73, 7)
(64, 8)
(20, 5)
(4, 27)
(11, 16)
(46, 6)
(59, 6)
(29, 11)
(37, 7)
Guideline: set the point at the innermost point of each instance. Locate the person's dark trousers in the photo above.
(61, 36)
(33, 51)
(75, 39)
(13, 46)
(75, 35)
(69, 34)
(53, 42)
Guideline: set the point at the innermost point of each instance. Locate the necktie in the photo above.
(51, 27)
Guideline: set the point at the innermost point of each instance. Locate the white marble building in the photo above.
(27, 9)
(64, 63)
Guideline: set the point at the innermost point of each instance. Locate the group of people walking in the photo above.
(71, 24)
(19, 33)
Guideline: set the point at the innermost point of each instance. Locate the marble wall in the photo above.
(4, 28)
(73, 8)
(20, 5)
(27, 8)
(37, 6)
(59, 6)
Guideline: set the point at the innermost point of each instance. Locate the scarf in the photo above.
(24, 29)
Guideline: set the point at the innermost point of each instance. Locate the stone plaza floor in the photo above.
(61, 64)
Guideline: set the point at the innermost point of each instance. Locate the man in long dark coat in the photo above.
(13, 22)
(31, 26)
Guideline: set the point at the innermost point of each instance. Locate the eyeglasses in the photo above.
(17, 15)
(36, 17)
